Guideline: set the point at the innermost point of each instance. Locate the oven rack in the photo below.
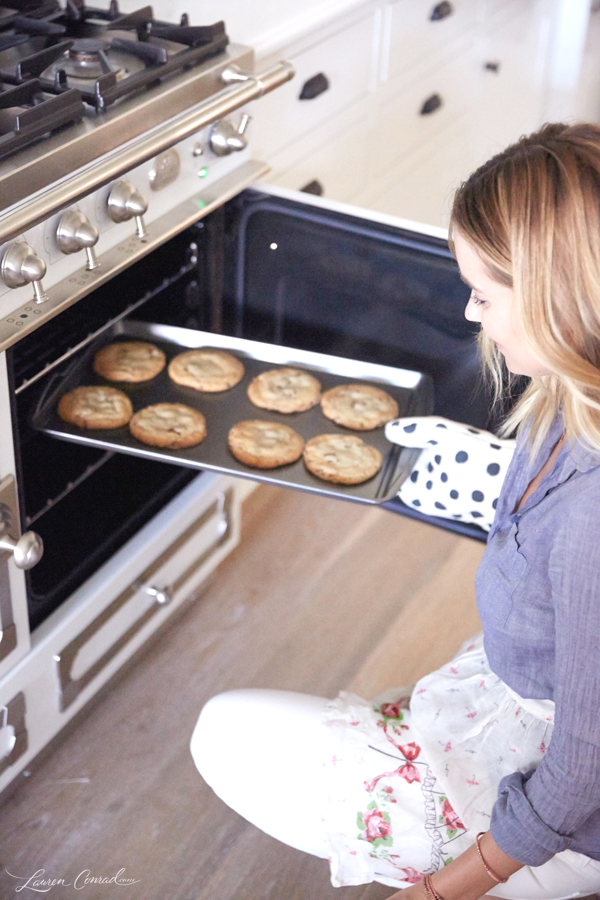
(167, 282)
(71, 486)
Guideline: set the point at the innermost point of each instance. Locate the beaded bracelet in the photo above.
(430, 891)
(492, 874)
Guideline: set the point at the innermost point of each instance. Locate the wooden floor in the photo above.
(319, 596)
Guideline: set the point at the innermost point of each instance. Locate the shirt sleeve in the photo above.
(537, 813)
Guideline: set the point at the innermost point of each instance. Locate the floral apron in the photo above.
(412, 777)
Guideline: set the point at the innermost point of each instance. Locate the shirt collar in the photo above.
(574, 456)
(583, 457)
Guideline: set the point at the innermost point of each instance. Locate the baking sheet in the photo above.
(412, 390)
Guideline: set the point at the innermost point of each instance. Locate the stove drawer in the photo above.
(116, 630)
(331, 76)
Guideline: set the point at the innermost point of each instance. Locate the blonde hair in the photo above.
(532, 213)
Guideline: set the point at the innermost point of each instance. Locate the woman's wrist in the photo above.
(467, 878)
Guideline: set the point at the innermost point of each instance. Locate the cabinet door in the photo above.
(423, 186)
(330, 76)
(420, 34)
(416, 117)
(513, 53)
(337, 169)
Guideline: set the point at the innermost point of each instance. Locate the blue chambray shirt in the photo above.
(538, 595)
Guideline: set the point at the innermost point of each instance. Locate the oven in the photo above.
(155, 218)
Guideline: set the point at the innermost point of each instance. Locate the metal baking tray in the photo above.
(412, 390)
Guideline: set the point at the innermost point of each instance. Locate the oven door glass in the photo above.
(320, 276)
(310, 273)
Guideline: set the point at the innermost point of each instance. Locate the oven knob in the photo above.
(224, 137)
(21, 266)
(27, 551)
(75, 232)
(124, 203)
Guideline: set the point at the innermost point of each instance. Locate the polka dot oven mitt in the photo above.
(460, 471)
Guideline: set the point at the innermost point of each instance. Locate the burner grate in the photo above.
(27, 113)
(156, 50)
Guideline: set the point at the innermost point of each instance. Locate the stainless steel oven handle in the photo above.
(123, 159)
(27, 551)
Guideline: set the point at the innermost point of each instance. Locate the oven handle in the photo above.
(139, 150)
(27, 549)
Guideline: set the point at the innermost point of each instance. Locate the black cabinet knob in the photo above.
(441, 11)
(316, 85)
(313, 187)
(492, 66)
(431, 105)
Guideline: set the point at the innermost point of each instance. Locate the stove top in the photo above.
(62, 63)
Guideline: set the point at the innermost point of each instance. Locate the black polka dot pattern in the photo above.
(460, 476)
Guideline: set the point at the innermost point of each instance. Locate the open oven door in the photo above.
(309, 273)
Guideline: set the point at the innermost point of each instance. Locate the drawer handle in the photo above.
(161, 596)
(313, 187)
(441, 11)
(492, 66)
(431, 105)
(316, 85)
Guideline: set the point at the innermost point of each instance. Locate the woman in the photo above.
(490, 781)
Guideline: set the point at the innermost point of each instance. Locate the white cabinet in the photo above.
(337, 168)
(330, 77)
(420, 34)
(417, 114)
(420, 94)
(513, 51)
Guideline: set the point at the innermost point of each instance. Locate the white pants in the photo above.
(261, 751)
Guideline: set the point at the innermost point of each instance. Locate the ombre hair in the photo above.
(532, 213)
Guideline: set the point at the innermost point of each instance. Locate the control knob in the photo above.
(224, 137)
(20, 266)
(27, 551)
(124, 203)
(75, 232)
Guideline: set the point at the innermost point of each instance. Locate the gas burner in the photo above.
(60, 59)
(87, 50)
(86, 59)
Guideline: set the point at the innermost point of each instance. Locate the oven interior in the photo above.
(260, 268)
